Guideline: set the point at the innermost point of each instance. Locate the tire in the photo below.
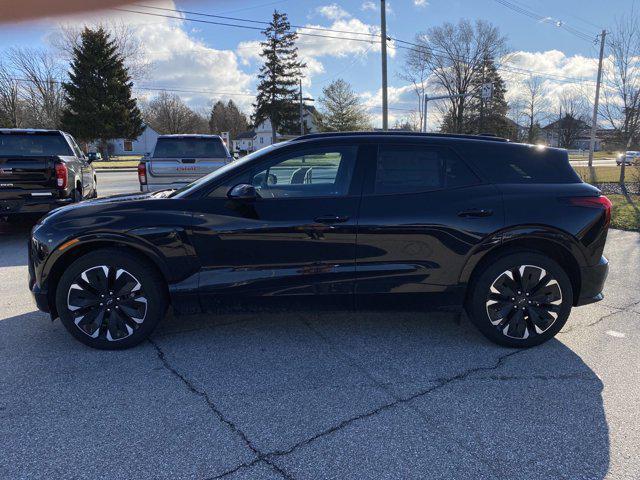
(513, 300)
(111, 299)
(77, 195)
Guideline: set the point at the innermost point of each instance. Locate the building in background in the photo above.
(260, 136)
(145, 143)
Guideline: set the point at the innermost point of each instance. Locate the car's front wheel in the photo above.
(520, 299)
(110, 299)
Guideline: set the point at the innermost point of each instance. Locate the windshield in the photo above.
(189, 147)
(40, 144)
(223, 170)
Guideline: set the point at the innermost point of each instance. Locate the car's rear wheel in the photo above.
(110, 299)
(520, 300)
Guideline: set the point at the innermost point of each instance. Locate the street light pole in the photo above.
(594, 120)
(301, 111)
(383, 44)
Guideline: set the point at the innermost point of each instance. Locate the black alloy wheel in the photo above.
(520, 299)
(111, 299)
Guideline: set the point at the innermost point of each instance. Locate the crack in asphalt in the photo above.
(212, 406)
(599, 320)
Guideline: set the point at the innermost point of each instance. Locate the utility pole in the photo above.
(594, 121)
(383, 40)
(301, 111)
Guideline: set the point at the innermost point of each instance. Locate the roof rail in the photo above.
(483, 136)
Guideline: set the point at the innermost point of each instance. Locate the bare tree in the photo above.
(572, 117)
(621, 86)
(10, 103)
(42, 92)
(535, 105)
(167, 113)
(416, 70)
(455, 55)
(128, 44)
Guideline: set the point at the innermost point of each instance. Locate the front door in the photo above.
(296, 239)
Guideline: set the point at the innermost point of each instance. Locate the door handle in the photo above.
(331, 219)
(476, 212)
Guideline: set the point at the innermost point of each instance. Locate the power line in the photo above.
(249, 27)
(261, 22)
(541, 18)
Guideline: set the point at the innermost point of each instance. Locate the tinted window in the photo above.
(312, 173)
(409, 168)
(458, 173)
(25, 144)
(504, 163)
(189, 148)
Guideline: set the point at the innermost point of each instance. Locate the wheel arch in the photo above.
(83, 246)
(559, 246)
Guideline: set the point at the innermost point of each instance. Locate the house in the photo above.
(573, 133)
(261, 135)
(145, 143)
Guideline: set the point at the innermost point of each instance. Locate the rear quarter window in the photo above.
(504, 163)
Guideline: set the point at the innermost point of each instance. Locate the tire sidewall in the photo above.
(476, 307)
(146, 275)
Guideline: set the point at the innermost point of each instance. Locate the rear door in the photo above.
(183, 159)
(423, 210)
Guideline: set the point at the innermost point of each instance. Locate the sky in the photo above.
(205, 62)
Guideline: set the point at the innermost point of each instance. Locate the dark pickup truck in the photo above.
(41, 170)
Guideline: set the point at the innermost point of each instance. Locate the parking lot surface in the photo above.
(327, 395)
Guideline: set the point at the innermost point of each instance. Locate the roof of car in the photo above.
(29, 130)
(189, 135)
(401, 133)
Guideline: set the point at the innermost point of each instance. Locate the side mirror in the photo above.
(244, 193)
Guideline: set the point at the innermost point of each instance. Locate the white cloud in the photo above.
(420, 3)
(180, 61)
(373, 6)
(333, 12)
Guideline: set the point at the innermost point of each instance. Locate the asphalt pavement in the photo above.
(331, 395)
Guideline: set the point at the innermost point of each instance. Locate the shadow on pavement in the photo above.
(13, 241)
(330, 395)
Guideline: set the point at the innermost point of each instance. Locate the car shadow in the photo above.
(291, 380)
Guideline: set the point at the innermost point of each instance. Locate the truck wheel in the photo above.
(520, 299)
(110, 299)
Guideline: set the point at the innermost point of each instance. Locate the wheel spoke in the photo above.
(529, 276)
(91, 322)
(541, 319)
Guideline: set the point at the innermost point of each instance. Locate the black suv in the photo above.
(368, 220)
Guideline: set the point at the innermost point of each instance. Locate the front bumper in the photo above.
(592, 282)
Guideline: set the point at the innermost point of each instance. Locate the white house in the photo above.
(145, 143)
(261, 135)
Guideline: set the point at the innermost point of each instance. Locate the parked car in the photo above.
(509, 231)
(93, 156)
(629, 158)
(41, 170)
(180, 159)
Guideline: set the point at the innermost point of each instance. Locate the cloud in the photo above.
(333, 12)
(180, 61)
(369, 5)
(373, 6)
(420, 3)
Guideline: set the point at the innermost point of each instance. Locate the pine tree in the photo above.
(484, 116)
(341, 110)
(278, 77)
(98, 95)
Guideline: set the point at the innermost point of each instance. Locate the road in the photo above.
(327, 395)
(116, 182)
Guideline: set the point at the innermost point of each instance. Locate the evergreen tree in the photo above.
(278, 78)
(484, 116)
(98, 95)
(341, 110)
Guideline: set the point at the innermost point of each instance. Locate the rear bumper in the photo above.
(31, 205)
(593, 278)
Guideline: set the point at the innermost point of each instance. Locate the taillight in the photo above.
(61, 175)
(594, 202)
(142, 173)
